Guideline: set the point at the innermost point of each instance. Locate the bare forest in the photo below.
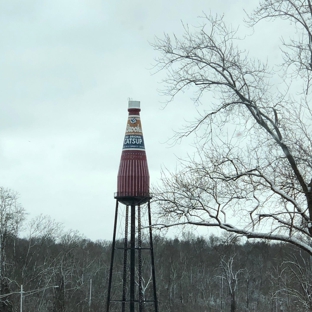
(65, 272)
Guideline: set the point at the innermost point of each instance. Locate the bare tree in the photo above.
(252, 173)
(41, 230)
(231, 280)
(39, 259)
(11, 217)
(294, 280)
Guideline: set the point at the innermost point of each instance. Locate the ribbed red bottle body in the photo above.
(133, 175)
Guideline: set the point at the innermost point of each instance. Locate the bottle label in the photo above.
(134, 134)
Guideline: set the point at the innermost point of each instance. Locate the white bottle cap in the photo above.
(134, 104)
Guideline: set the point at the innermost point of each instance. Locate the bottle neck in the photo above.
(134, 111)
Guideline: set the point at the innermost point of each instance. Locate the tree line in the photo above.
(65, 272)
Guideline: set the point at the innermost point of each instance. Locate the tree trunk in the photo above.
(59, 303)
(6, 304)
(233, 302)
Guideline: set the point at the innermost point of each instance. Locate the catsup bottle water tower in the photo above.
(135, 288)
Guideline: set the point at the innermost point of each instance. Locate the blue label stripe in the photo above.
(133, 141)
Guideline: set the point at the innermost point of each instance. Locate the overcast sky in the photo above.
(68, 68)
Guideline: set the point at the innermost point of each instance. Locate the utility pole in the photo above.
(30, 292)
(21, 304)
(90, 294)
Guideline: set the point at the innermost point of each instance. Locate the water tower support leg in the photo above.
(152, 256)
(112, 259)
(132, 259)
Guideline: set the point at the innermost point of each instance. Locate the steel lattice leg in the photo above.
(152, 256)
(124, 287)
(132, 260)
(140, 260)
(112, 260)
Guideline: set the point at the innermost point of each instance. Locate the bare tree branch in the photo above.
(259, 179)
